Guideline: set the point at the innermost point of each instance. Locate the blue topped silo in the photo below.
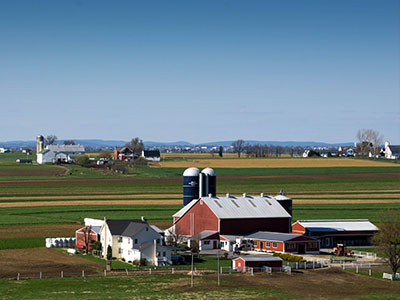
(190, 185)
(210, 186)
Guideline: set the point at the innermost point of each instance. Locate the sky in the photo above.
(200, 71)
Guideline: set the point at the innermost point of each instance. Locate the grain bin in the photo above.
(190, 185)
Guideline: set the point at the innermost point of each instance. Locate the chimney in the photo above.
(244, 195)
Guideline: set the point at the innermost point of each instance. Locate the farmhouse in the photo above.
(332, 232)
(284, 242)
(152, 155)
(59, 153)
(392, 151)
(232, 215)
(134, 240)
(124, 153)
(242, 263)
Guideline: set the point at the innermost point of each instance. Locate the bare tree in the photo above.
(173, 238)
(238, 147)
(278, 151)
(50, 139)
(195, 245)
(136, 145)
(369, 141)
(87, 238)
(387, 239)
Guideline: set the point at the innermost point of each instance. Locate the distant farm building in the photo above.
(124, 153)
(152, 155)
(392, 151)
(59, 153)
(333, 232)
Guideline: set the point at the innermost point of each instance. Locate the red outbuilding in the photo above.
(232, 215)
(242, 263)
(284, 242)
(91, 233)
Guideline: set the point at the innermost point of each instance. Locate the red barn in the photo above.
(284, 242)
(256, 262)
(80, 236)
(232, 215)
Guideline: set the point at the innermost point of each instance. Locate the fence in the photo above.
(114, 272)
(308, 264)
(365, 254)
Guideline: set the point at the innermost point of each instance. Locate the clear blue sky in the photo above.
(200, 70)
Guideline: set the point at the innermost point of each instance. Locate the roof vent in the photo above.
(262, 195)
(209, 195)
(244, 195)
(282, 192)
(143, 219)
(228, 195)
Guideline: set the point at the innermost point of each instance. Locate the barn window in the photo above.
(234, 202)
(219, 205)
(251, 202)
(291, 246)
(136, 241)
(206, 242)
(164, 254)
(274, 245)
(268, 244)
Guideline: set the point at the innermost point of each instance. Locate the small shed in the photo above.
(256, 262)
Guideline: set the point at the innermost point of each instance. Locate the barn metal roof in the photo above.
(338, 225)
(260, 258)
(240, 207)
(66, 148)
(272, 236)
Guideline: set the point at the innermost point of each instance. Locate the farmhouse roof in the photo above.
(272, 236)
(394, 148)
(205, 234)
(260, 258)
(118, 227)
(338, 225)
(240, 207)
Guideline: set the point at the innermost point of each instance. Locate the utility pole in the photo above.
(218, 269)
(192, 281)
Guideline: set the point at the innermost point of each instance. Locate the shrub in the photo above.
(109, 252)
(290, 257)
(97, 245)
(123, 259)
(142, 262)
(82, 160)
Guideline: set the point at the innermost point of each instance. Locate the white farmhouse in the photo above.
(59, 153)
(134, 240)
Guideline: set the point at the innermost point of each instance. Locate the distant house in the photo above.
(392, 151)
(124, 153)
(134, 240)
(59, 153)
(207, 240)
(346, 151)
(152, 155)
(4, 150)
(332, 232)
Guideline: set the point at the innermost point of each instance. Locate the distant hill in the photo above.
(98, 143)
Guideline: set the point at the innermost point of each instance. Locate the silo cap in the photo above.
(282, 197)
(209, 172)
(191, 172)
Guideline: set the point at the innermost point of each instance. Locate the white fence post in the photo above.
(18, 276)
(150, 271)
(40, 275)
(356, 268)
(126, 270)
(62, 274)
(172, 270)
(83, 273)
(105, 273)
(369, 272)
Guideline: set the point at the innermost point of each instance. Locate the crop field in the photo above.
(337, 284)
(273, 163)
(51, 204)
